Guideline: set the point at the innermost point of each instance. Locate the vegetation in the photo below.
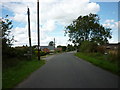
(7, 40)
(100, 60)
(88, 28)
(70, 47)
(57, 51)
(16, 63)
(11, 57)
(89, 38)
(88, 47)
(51, 43)
(67, 48)
(14, 75)
(98, 55)
(42, 53)
(64, 48)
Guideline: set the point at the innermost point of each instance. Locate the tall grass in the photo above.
(100, 60)
(14, 75)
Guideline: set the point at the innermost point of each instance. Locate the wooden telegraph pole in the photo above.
(38, 30)
(54, 43)
(29, 32)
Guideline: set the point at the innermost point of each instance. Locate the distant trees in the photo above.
(64, 48)
(88, 28)
(51, 43)
(70, 47)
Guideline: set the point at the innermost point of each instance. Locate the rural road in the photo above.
(67, 71)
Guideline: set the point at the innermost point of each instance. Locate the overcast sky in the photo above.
(54, 16)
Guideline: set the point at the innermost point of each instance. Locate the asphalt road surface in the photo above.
(67, 71)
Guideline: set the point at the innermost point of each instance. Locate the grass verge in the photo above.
(14, 75)
(99, 60)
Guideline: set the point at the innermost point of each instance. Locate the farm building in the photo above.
(45, 48)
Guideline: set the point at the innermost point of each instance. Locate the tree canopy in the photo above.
(88, 28)
(51, 43)
(7, 39)
(6, 26)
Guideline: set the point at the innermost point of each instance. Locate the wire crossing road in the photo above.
(67, 71)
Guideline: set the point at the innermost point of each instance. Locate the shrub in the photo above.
(88, 46)
(14, 53)
(57, 51)
(112, 57)
(101, 49)
(42, 53)
(13, 57)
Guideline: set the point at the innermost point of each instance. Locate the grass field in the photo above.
(14, 75)
(99, 60)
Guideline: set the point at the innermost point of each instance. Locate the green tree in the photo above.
(6, 26)
(63, 47)
(88, 28)
(51, 43)
(7, 39)
(88, 46)
(70, 47)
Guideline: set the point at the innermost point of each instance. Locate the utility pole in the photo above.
(38, 30)
(54, 43)
(29, 32)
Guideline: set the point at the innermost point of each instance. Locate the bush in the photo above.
(112, 57)
(57, 51)
(13, 57)
(88, 46)
(42, 53)
(14, 53)
(101, 49)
